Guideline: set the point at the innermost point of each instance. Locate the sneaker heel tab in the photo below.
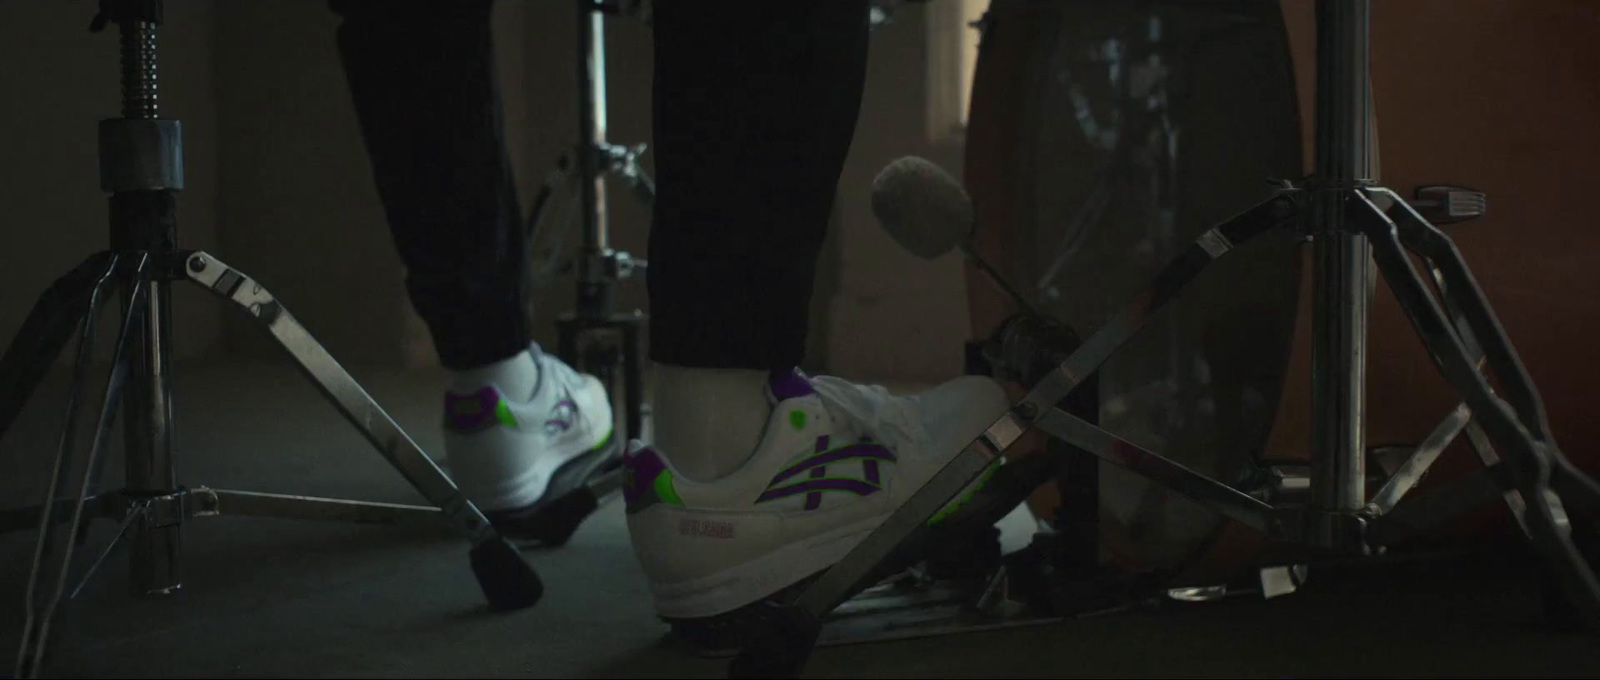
(641, 487)
(786, 385)
(471, 412)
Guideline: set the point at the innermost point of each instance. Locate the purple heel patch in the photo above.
(646, 481)
(790, 384)
(468, 413)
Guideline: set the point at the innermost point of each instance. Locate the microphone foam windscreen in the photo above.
(922, 207)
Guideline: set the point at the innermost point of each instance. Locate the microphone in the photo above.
(927, 212)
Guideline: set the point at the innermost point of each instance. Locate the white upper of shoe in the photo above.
(504, 465)
(925, 429)
(724, 543)
(569, 408)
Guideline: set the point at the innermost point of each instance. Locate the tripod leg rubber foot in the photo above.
(507, 580)
(779, 647)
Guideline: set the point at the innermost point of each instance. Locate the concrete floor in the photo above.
(273, 598)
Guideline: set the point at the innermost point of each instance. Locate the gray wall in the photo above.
(279, 186)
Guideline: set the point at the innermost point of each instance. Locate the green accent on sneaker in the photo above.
(966, 497)
(502, 411)
(664, 489)
(797, 419)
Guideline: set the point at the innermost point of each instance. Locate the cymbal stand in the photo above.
(141, 167)
(594, 337)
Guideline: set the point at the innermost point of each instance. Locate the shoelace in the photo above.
(871, 409)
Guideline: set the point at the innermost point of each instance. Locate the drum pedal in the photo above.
(1282, 580)
(1443, 204)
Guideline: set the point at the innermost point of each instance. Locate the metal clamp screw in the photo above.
(1027, 411)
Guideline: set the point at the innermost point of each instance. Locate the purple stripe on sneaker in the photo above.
(870, 468)
(869, 451)
(855, 486)
(814, 499)
(790, 384)
(563, 410)
(470, 412)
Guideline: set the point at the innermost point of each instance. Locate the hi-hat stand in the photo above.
(1352, 223)
(594, 337)
(141, 167)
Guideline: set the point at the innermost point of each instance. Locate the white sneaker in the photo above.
(518, 458)
(836, 459)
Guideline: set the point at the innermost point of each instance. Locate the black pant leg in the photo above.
(755, 107)
(422, 79)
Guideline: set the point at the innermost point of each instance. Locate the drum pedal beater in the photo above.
(1353, 224)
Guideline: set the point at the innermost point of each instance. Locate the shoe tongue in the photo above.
(786, 385)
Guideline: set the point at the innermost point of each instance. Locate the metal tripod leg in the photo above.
(1395, 521)
(783, 644)
(44, 333)
(1235, 504)
(506, 579)
(36, 624)
(1518, 428)
(1457, 421)
(58, 311)
(1474, 319)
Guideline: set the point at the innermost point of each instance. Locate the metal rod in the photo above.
(43, 335)
(27, 660)
(1170, 474)
(1341, 266)
(129, 516)
(153, 548)
(103, 425)
(347, 395)
(1343, 98)
(286, 506)
(1410, 472)
(592, 123)
(999, 280)
(593, 288)
(1427, 510)
(1474, 322)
